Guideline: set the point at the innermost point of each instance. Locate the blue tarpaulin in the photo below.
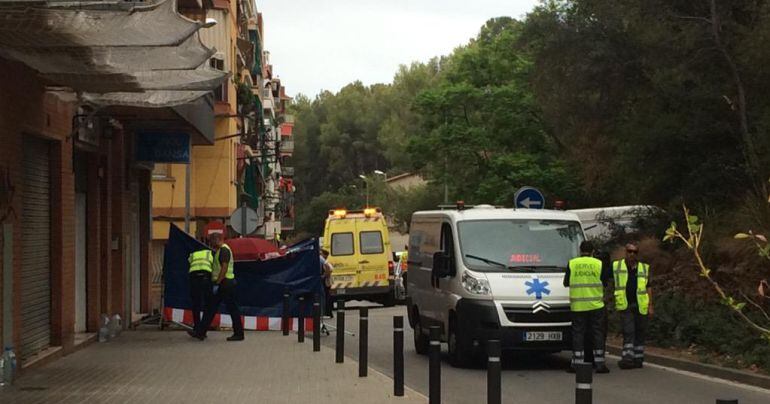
(259, 284)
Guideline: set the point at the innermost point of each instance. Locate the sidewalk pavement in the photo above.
(151, 366)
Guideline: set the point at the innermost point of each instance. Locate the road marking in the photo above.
(703, 377)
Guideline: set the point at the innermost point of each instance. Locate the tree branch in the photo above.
(749, 150)
(755, 304)
(693, 18)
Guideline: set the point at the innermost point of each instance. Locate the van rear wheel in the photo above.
(421, 340)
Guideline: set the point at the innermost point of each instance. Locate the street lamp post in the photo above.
(366, 184)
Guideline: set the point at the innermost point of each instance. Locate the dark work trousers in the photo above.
(225, 293)
(589, 346)
(200, 294)
(328, 301)
(634, 333)
(583, 323)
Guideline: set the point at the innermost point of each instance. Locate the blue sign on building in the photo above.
(163, 147)
(529, 198)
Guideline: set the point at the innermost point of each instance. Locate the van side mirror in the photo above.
(442, 265)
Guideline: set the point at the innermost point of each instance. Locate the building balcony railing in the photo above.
(287, 146)
(267, 104)
(287, 223)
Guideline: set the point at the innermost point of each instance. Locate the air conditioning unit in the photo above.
(87, 129)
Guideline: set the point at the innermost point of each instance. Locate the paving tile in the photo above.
(150, 366)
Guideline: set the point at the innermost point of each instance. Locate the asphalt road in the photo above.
(535, 378)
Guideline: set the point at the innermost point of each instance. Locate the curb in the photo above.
(406, 388)
(719, 372)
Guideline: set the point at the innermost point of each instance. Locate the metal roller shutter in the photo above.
(36, 249)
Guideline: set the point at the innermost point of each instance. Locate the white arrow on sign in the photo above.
(528, 202)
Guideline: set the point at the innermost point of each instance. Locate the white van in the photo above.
(491, 273)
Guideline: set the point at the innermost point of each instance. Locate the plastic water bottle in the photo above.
(115, 326)
(104, 330)
(9, 366)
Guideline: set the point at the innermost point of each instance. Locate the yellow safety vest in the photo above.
(201, 260)
(230, 265)
(620, 270)
(586, 291)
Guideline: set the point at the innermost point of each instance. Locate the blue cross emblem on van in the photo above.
(537, 288)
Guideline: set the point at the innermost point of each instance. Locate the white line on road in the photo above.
(703, 377)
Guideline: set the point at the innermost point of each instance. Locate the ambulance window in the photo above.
(371, 242)
(342, 244)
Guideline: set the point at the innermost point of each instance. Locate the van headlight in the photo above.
(475, 285)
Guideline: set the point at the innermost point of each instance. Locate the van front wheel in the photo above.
(460, 349)
(421, 341)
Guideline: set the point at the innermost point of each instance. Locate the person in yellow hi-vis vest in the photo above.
(201, 266)
(586, 278)
(633, 299)
(223, 276)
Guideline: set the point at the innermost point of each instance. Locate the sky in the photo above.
(318, 45)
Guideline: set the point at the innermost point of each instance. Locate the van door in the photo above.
(441, 291)
(424, 241)
(342, 256)
(373, 254)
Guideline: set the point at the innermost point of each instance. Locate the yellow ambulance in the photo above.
(360, 255)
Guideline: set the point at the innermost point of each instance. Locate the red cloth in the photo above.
(251, 249)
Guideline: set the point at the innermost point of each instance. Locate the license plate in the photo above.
(543, 336)
(343, 278)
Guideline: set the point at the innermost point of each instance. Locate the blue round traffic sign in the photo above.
(529, 198)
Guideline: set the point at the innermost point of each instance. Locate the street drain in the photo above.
(33, 388)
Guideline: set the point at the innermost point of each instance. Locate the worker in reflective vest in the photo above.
(586, 278)
(201, 265)
(223, 275)
(633, 301)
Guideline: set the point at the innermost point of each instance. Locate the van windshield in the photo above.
(519, 245)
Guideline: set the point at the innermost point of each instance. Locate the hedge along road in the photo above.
(533, 378)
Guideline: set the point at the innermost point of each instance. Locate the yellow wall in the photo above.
(160, 228)
(214, 170)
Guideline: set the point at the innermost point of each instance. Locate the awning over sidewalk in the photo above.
(113, 53)
(49, 24)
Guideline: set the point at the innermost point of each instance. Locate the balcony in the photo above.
(287, 147)
(287, 171)
(267, 104)
(287, 223)
(287, 129)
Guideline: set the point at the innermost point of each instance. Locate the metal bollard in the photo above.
(363, 342)
(340, 331)
(398, 356)
(719, 401)
(301, 320)
(584, 376)
(316, 325)
(285, 314)
(434, 380)
(494, 367)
